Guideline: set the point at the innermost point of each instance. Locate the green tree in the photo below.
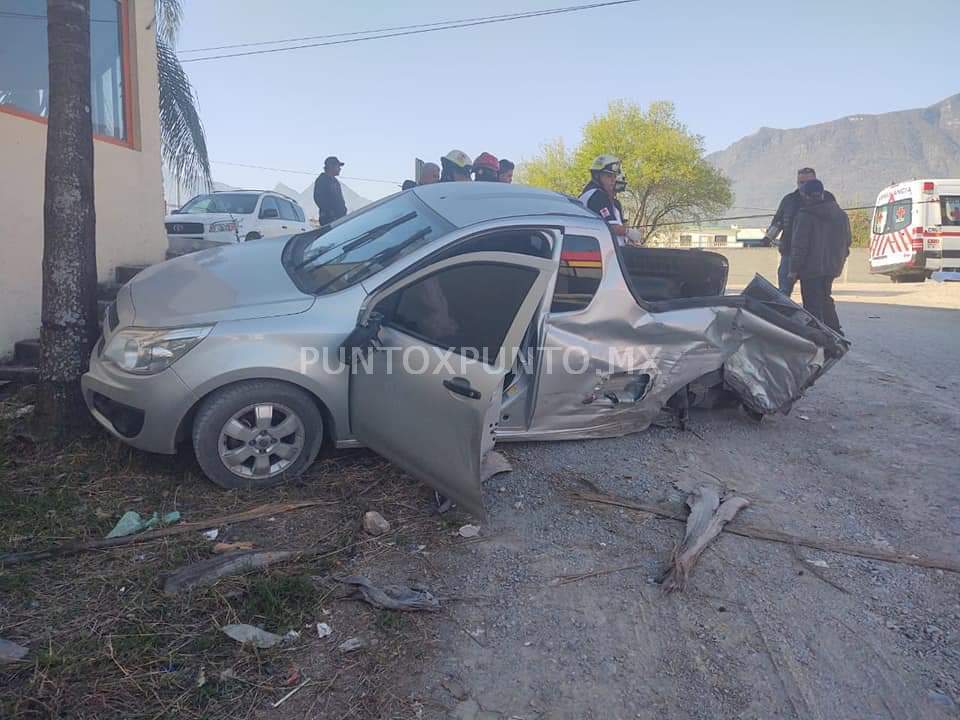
(183, 143)
(860, 227)
(668, 178)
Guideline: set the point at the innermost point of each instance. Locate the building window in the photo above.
(24, 82)
(719, 240)
(685, 240)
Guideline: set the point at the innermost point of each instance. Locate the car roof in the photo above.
(468, 203)
(259, 192)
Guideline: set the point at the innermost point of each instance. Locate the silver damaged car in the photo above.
(429, 324)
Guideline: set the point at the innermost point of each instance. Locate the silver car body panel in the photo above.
(395, 412)
(231, 282)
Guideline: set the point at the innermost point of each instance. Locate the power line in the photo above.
(303, 172)
(504, 17)
(450, 26)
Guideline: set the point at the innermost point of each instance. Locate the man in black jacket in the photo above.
(818, 250)
(782, 225)
(327, 193)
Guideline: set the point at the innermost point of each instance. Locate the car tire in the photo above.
(252, 236)
(237, 440)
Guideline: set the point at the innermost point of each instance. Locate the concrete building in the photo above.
(128, 186)
(708, 236)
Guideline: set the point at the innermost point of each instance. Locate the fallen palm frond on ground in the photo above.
(778, 536)
(706, 520)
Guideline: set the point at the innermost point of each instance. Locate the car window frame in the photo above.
(281, 202)
(263, 201)
(553, 287)
(432, 342)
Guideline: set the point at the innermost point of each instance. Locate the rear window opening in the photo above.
(892, 217)
(659, 274)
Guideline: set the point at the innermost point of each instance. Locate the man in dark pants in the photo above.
(782, 225)
(818, 250)
(327, 193)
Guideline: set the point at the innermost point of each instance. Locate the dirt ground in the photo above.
(538, 619)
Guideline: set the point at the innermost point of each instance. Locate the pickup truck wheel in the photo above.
(257, 434)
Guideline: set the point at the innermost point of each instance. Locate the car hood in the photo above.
(234, 282)
(205, 218)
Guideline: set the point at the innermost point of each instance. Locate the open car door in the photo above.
(426, 395)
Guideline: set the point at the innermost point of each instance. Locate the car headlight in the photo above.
(223, 226)
(144, 351)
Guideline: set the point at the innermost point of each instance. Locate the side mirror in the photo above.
(269, 213)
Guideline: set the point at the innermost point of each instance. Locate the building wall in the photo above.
(128, 192)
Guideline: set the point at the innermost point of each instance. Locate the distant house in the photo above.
(708, 237)
(128, 192)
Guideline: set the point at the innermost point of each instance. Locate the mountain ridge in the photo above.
(856, 156)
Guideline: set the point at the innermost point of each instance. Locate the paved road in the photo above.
(870, 456)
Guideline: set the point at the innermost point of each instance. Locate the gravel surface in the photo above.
(869, 456)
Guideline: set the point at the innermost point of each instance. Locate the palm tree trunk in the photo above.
(69, 313)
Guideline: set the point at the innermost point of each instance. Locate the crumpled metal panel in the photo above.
(636, 360)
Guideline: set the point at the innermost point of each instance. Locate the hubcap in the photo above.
(261, 441)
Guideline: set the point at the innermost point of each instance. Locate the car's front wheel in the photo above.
(256, 434)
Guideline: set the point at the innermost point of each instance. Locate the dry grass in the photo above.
(105, 642)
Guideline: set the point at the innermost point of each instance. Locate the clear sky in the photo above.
(730, 67)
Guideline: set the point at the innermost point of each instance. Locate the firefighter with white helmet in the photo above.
(456, 166)
(600, 194)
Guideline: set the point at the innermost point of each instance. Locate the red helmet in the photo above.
(486, 161)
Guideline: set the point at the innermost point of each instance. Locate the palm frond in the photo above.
(183, 144)
(169, 15)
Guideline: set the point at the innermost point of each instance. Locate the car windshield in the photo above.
(233, 203)
(350, 250)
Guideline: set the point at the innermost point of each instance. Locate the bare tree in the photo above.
(69, 314)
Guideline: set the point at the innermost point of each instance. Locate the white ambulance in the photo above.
(916, 230)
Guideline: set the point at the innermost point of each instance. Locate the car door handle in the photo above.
(461, 386)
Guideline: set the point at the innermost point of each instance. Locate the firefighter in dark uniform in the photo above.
(600, 195)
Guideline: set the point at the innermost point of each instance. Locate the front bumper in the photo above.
(184, 244)
(142, 410)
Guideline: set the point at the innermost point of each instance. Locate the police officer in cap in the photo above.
(600, 194)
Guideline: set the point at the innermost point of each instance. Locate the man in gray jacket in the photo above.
(818, 250)
(327, 193)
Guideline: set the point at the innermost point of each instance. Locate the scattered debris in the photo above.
(494, 463)
(211, 534)
(777, 536)
(221, 547)
(253, 635)
(707, 518)
(469, 531)
(392, 597)
(352, 645)
(290, 694)
(11, 652)
(131, 523)
(201, 678)
(819, 563)
(324, 630)
(291, 635)
(374, 523)
(17, 414)
(207, 572)
(75, 548)
(803, 417)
